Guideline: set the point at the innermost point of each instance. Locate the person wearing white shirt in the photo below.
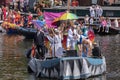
(0, 13)
(71, 38)
(116, 23)
(100, 11)
(55, 40)
(92, 12)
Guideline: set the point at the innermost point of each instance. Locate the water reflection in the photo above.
(13, 64)
(12, 61)
(103, 77)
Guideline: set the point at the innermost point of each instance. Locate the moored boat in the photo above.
(27, 32)
(112, 30)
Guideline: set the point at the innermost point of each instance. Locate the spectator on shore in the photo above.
(4, 10)
(103, 24)
(92, 11)
(75, 3)
(108, 24)
(0, 13)
(100, 11)
(86, 19)
(51, 3)
(116, 23)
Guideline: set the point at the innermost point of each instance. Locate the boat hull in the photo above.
(29, 33)
(68, 67)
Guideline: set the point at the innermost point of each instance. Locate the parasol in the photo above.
(65, 16)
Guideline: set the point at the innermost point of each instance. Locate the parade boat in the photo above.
(67, 67)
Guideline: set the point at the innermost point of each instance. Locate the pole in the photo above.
(68, 5)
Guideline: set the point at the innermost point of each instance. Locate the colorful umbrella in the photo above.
(66, 16)
(38, 23)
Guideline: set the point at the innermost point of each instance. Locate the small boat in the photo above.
(11, 31)
(27, 32)
(67, 67)
(112, 30)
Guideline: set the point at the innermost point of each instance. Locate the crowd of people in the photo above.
(97, 18)
(70, 36)
(77, 37)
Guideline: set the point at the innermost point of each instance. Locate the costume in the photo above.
(56, 45)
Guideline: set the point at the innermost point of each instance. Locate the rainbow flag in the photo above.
(91, 35)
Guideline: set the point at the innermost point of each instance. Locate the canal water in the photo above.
(13, 63)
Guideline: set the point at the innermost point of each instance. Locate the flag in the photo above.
(91, 35)
(38, 23)
(50, 17)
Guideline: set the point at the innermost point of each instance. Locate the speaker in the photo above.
(70, 53)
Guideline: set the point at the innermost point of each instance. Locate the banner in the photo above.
(50, 16)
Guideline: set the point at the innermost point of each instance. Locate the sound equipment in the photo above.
(70, 53)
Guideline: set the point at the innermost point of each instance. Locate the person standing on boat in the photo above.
(72, 37)
(87, 48)
(39, 42)
(55, 39)
(96, 52)
(80, 40)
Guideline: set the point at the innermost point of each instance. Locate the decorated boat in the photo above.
(67, 67)
(27, 32)
(10, 27)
